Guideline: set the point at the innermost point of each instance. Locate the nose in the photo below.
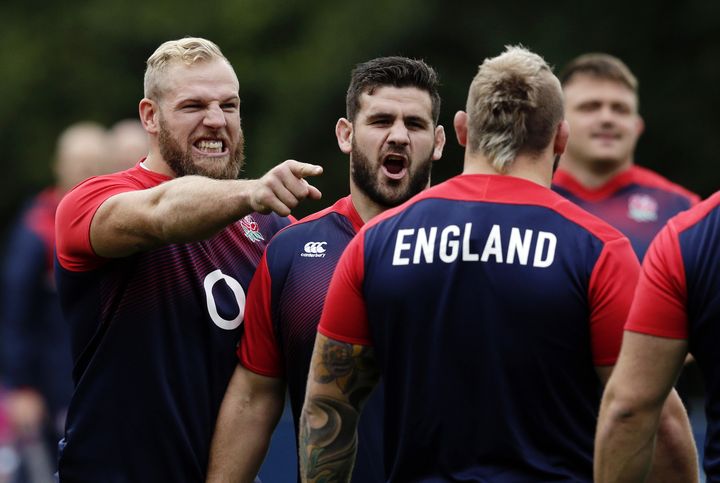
(607, 115)
(214, 117)
(399, 134)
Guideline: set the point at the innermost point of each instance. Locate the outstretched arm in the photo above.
(341, 378)
(193, 208)
(635, 398)
(249, 413)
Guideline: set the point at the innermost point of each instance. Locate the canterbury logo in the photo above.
(314, 249)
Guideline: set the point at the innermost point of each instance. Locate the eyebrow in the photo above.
(409, 117)
(200, 99)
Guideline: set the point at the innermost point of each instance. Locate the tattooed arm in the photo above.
(341, 378)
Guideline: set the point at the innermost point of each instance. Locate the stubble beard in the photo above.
(183, 164)
(365, 177)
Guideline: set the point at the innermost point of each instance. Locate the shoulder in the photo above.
(697, 214)
(651, 179)
(102, 187)
(331, 219)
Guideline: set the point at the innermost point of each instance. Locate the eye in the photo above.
(415, 124)
(229, 106)
(588, 107)
(191, 107)
(622, 108)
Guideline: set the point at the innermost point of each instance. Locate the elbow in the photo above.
(629, 412)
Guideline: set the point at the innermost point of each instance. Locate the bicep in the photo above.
(122, 224)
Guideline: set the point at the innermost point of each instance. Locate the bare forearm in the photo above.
(675, 453)
(248, 415)
(624, 445)
(194, 208)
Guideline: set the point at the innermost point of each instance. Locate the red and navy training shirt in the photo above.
(284, 305)
(488, 300)
(678, 296)
(153, 340)
(638, 202)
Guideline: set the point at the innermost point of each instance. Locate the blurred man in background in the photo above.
(34, 339)
(597, 170)
(491, 306)
(128, 145)
(392, 136)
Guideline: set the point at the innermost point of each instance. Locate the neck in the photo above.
(537, 169)
(155, 162)
(366, 208)
(594, 174)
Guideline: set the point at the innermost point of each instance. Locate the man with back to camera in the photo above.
(152, 268)
(675, 312)
(492, 307)
(392, 135)
(597, 170)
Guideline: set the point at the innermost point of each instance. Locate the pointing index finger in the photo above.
(302, 170)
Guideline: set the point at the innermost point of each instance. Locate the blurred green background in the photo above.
(68, 61)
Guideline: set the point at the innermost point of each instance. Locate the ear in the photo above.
(561, 137)
(640, 125)
(460, 124)
(439, 143)
(149, 111)
(344, 135)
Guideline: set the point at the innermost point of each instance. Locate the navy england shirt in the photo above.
(678, 296)
(489, 301)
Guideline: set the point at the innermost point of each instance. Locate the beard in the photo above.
(389, 192)
(183, 164)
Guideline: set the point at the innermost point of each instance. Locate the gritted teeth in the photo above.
(214, 145)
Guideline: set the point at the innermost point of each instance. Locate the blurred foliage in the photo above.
(67, 61)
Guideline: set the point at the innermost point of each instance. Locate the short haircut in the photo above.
(600, 66)
(514, 106)
(393, 71)
(188, 50)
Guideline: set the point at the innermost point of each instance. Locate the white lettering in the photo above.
(493, 246)
(425, 245)
(551, 240)
(519, 246)
(466, 255)
(454, 243)
(400, 246)
(449, 248)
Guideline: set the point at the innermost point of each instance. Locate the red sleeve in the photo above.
(258, 349)
(344, 316)
(73, 218)
(660, 300)
(612, 285)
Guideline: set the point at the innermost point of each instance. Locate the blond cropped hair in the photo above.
(514, 107)
(188, 50)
